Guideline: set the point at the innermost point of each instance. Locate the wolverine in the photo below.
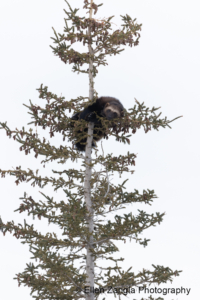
(107, 107)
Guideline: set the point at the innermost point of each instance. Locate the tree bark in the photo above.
(88, 173)
(87, 191)
(91, 52)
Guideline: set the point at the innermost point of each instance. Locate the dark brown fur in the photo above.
(107, 107)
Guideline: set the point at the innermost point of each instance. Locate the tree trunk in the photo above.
(88, 173)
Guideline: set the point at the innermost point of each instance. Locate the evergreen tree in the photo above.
(91, 197)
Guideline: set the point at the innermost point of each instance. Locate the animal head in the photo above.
(112, 111)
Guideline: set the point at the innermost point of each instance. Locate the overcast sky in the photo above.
(164, 70)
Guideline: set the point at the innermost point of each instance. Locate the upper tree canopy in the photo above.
(104, 40)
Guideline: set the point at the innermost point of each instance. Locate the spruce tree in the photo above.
(83, 219)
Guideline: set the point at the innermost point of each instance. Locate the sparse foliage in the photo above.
(89, 234)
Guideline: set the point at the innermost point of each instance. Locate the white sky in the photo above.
(162, 71)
